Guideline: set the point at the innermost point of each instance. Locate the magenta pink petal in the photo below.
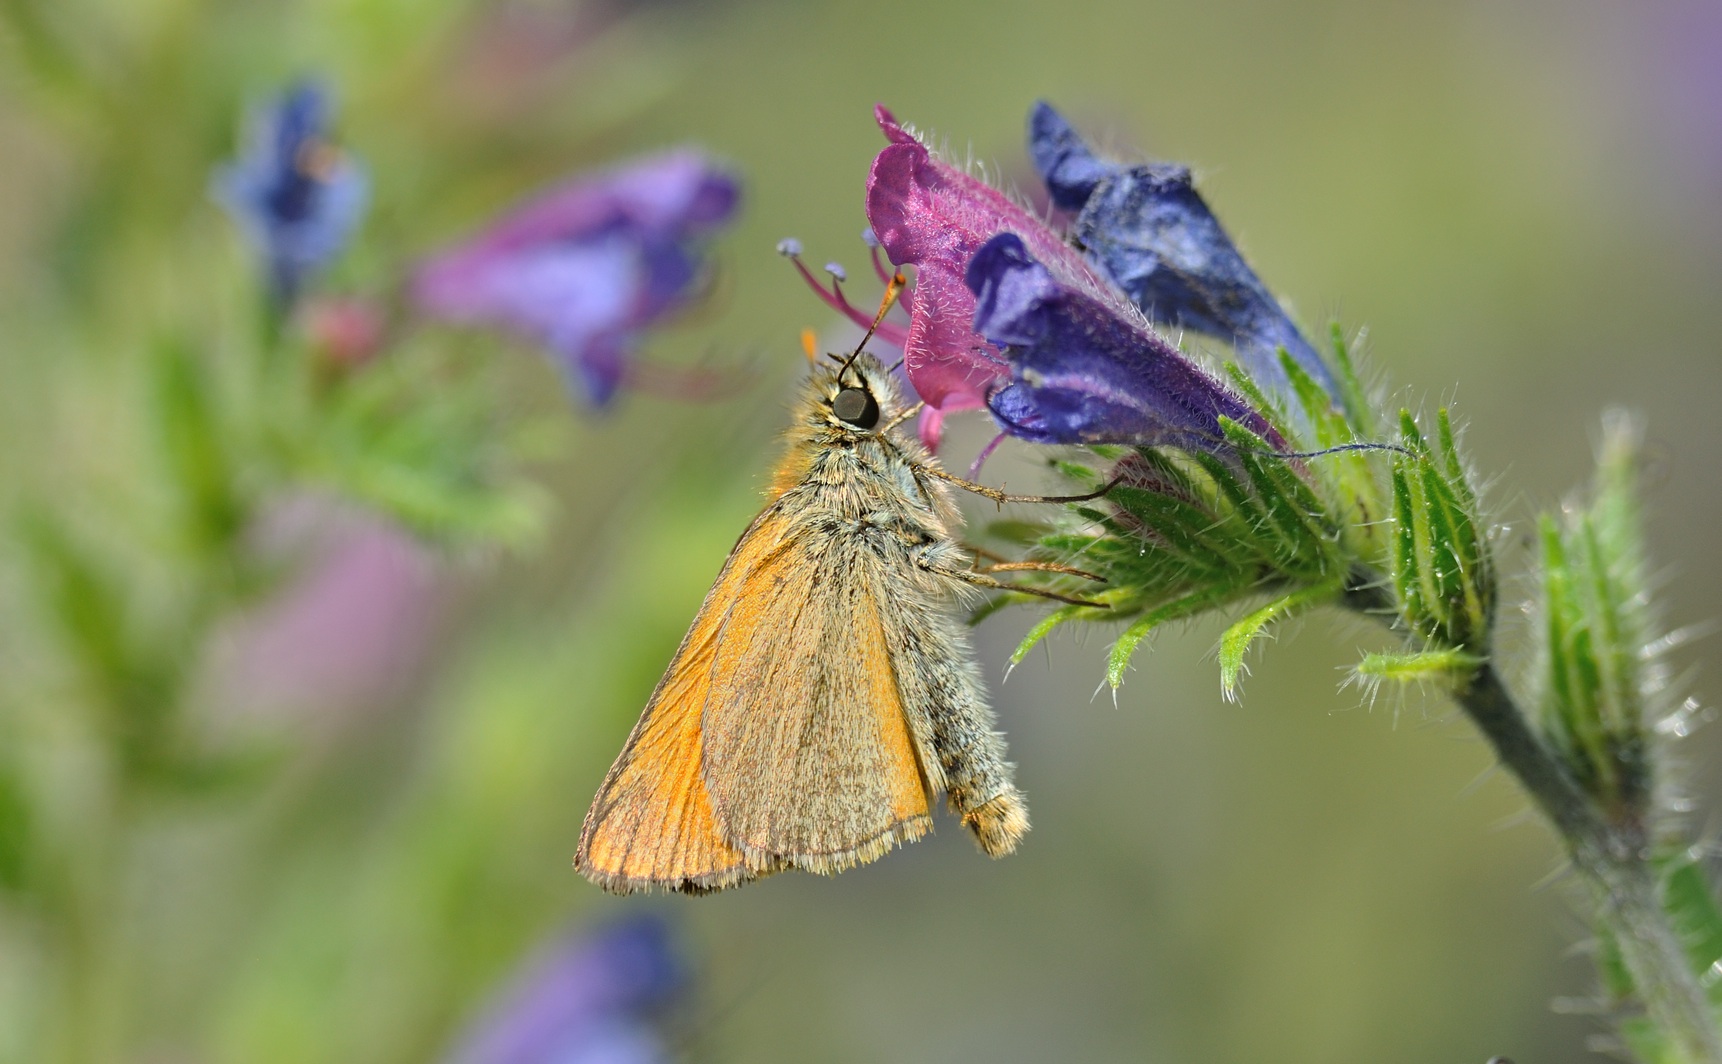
(930, 215)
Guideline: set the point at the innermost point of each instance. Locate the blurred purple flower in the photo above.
(588, 999)
(1080, 372)
(351, 629)
(296, 196)
(586, 267)
(928, 214)
(1151, 232)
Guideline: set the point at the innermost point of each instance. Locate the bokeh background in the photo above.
(1520, 202)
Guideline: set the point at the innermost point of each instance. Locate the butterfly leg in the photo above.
(979, 578)
(1003, 566)
(1002, 497)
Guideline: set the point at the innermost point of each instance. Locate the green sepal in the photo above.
(1351, 395)
(1264, 404)
(1598, 686)
(1443, 575)
(1409, 433)
(1453, 667)
(1043, 628)
(1327, 423)
(1237, 639)
(1118, 660)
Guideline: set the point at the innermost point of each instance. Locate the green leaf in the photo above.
(1076, 471)
(196, 448)
(1697, 920)
(1409, 433)
(1237, 639)
(131, 681)
(1264, 404)
(1351, 396)
(1188, 606)
(435, 459)
(1043, 628)
(1446, 666)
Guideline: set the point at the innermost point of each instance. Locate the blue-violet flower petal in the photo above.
(590, 997)
(1152, 233)
(1082, 373)
(588, 266)
(297, 198)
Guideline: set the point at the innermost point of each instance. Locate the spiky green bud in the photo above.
(1599, 681)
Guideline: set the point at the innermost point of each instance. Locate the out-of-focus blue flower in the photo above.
(588, 999)
(587, 266)
(1149, 229)
(297, 197)
(1082, 373)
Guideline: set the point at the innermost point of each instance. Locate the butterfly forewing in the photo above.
(810, 757)
(652, 824)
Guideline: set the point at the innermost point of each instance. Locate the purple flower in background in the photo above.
(1151, 232)
(1081, 372)
(587, 266)
(352, 629)
(928, 214)
(588, 999)
(297, 197)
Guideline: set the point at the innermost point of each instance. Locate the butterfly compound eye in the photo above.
(857, 407)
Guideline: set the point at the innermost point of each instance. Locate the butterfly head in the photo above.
(859, 396)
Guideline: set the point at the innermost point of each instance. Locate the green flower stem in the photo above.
(1613, 857)
(1616, 860)
(1491, 707)
(1631, 897)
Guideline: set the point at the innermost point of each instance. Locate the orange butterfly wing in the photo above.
(776, 738)
(810, 757)
(651, 825)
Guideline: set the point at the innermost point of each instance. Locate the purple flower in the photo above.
(587, 266)
(296, 196)
(588, 999)
(349, 632)
(1081, 372)
(928, 214)
(1150, 231)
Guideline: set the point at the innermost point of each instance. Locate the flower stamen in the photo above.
(895, 335)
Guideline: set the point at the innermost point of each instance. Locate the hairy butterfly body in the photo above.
(826, 693)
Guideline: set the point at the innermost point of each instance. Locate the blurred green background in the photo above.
(1521, 202)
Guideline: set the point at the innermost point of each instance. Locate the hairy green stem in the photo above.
(1614, 857)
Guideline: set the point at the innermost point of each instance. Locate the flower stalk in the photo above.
(1615, 860)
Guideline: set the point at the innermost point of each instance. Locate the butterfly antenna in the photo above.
(893, 289)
